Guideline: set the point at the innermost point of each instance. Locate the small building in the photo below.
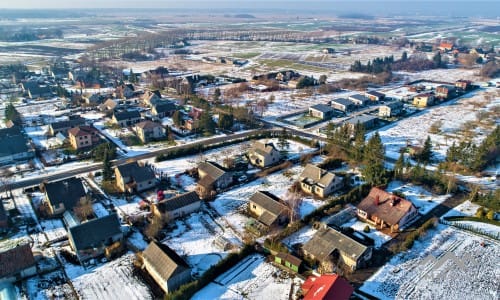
(359, 99)
(326, 287)
(291, 262)
(213, 177)
(321, 111)
(126, 118)
(383, 209)
(292, 83)
(263, 154)
(17, 263)
(445, 46)
(63, 195)
(445, 91)
(391, 109)
(328, 243)
(375, 96)
(423, 100)
(125, 91)
(177, 207)
(64, 126)
(319, 182)
(83, 137)
(151, 97)
(148, 131)
(133, 178)
(165, 266)
(367, 121)
(17, 149)
(328, 50)
(33, 90)
(90, 239)
(163, 109)
(343, 104)
(463, 85)
(108, 105)
(268, 209)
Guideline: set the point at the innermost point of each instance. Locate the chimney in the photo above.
(377, 200)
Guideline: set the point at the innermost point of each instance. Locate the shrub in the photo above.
(480, 213)
(366, 229)
(490, 215)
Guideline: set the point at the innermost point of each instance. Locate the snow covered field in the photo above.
(423, 200)
(252, 278)
(446, 264)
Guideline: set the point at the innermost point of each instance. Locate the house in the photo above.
(191, 124)
(375, 96)
(423, 100)
(291, 262)
(268, 209)
(463, 85)
(327, 50)
(63, 195)
(177, 207)
(263, 154)
(151, 97)
(83, 137)
(147, 131)
(366, 120)
(165, 266)
(383, 209)
(292, 83)
(108, 105)
(15, 146)
(359, 99)
(163, 109)
(390, 109)
(133, 178)
(328, 243)
(321, 111)
(445, 46)
(90, 239)
(326, 287)
(33, 90)
(64, 126)
(4, 218)
(342, 104)
(445, 91)
(17, 263)
(212, 178)
(125, 91)
(126, 118)
(319, 182)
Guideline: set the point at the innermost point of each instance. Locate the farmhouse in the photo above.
(126, 118)
(83, 137)
(326, 287)
(64, 126)
(165, 266)
(134, 178)
(319, 182)
(63, 195)
(328, 243)
(177, 207)
(383, 209)
(147, 131)
(263, 154)
(212, 178)
(390, 109)
(17, 263)
(445, 91)
(343, 104)
(268, 209)
(90, 239)
(423, 100)
(321, 111)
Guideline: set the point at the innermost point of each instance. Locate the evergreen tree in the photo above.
(11, 114)
(177, 118)
(226, 121)
(426, 155)
(217, 95)
(404, 56)
(207, 124)
(399, 166)
(437, 60)
(132, 77)
(359, 141)
(374, 170)
(107, 172)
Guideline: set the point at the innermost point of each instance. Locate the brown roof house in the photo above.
(64, 126)
(268, 209)
(423, 100)
(383, 209)
(149, 131)
(17, 263)
(213, 177)
(177, 207)
(319, 182)
(63, 195)
(165, 266)
(83, 137)
(134, 178)
(263, 154)
(445, 91)
(328, 243)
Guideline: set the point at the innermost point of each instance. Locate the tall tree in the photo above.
(207, 124)
(426, 155)
(374, 170)
(107, 172)
(404, 56)
(399, 166)
(217, 95)
(177, 118)
(437, 60)
(359, 141)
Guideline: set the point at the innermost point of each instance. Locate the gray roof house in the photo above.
(126, 118)
(166, 267)
(178, 206)
(91, 238)
(342, 104)
(63, 195)
(263, 154)
(163, 109)
(14, 146)
(212, 177)
(359, 99)
(321, 111)
(366, 120)
(64, 126)
(319, 182)
(134, 178)
(327, 242)
(268, 208)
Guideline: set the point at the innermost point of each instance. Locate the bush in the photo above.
(480, 213)
(366, 229)
(490, 215)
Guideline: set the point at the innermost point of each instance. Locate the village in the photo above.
(240, 176)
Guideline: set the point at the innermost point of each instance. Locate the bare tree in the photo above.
(293, 201)
(83, 208)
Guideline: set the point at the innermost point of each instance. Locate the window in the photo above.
(254, 206)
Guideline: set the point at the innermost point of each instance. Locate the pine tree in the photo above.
(217, 95)
(404, 56)
(107, 172)
(359, 141)
(177, 118)
(437, 60)
(207, 124)
(374, 170)
(426, 155)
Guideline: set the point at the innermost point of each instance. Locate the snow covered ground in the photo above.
(423, 200)
(446, 264)
(465, 209)
(377, 236)
(252, 278)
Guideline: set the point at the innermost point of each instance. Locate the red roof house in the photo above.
(326, 287)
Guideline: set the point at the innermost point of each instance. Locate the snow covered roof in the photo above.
(386, 206)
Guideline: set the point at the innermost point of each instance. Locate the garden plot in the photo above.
(54, 229)
(49, 286)
(114, 280)
(300, 237)
(128, 207)
(377, 236)
(469, 209)
(423, 200)
(194, 238)
(252, 278)
(446, 264)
